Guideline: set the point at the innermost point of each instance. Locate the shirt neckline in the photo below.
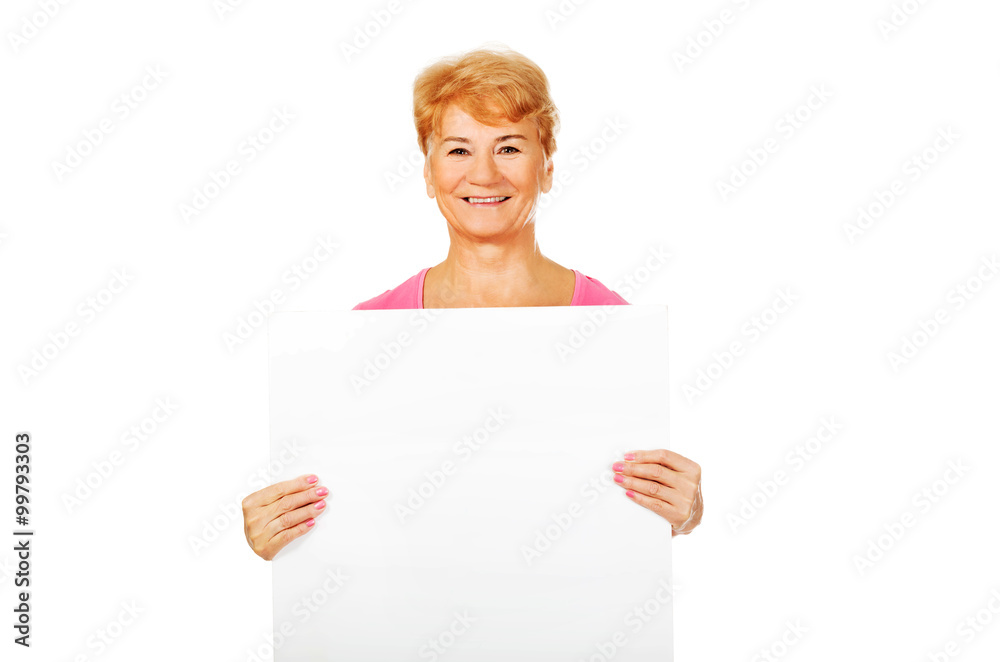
(578, 278)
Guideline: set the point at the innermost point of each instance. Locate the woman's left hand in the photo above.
(666, 482)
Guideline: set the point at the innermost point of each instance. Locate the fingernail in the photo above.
(322, 491)
(618, 466)
(629, 456)
(320, 505)
(311, 479)
(310, 521)
(619, 478)
(630, 494)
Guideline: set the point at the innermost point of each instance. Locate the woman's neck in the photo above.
(488, 276)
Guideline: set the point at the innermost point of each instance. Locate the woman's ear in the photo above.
(547, 175)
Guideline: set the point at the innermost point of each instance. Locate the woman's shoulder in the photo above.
(405, 295)
(592, 292)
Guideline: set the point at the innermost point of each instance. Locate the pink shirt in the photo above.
(410, 294)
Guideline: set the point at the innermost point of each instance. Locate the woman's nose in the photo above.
(484, 171)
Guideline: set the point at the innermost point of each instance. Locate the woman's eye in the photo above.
(462, 150)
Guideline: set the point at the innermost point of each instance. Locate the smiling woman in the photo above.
(486, 125)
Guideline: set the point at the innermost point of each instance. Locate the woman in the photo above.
(486, 125)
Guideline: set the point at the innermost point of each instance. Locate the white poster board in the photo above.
(472, 514)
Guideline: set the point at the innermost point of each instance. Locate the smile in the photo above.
(487, 201)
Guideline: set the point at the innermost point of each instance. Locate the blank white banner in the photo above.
(472, 514)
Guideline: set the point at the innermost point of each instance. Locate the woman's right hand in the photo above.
(280, 513)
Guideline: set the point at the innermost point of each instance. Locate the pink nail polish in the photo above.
(629, 457)
(320, 505)
(630, 494)
(619, 478)
(322, 491)
(618, 466)
(310, 521)
(311, 479)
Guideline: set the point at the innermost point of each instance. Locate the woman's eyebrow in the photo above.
(512, 136)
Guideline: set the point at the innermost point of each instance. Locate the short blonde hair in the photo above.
(491, 85)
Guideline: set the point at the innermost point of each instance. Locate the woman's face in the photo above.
(468, 163)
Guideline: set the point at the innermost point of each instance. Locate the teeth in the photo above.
(482, 200)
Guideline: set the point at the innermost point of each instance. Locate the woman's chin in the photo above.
(485, 228)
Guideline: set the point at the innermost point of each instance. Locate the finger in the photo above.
(661, 508)
(278, 542)
(669, 459)
(292, 519)
(657, 472)
(294, 501)
(272, 493)
(649, 488)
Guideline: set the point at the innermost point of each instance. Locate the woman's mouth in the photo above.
(487, 202)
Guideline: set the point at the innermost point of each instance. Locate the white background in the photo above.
(655, 187)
